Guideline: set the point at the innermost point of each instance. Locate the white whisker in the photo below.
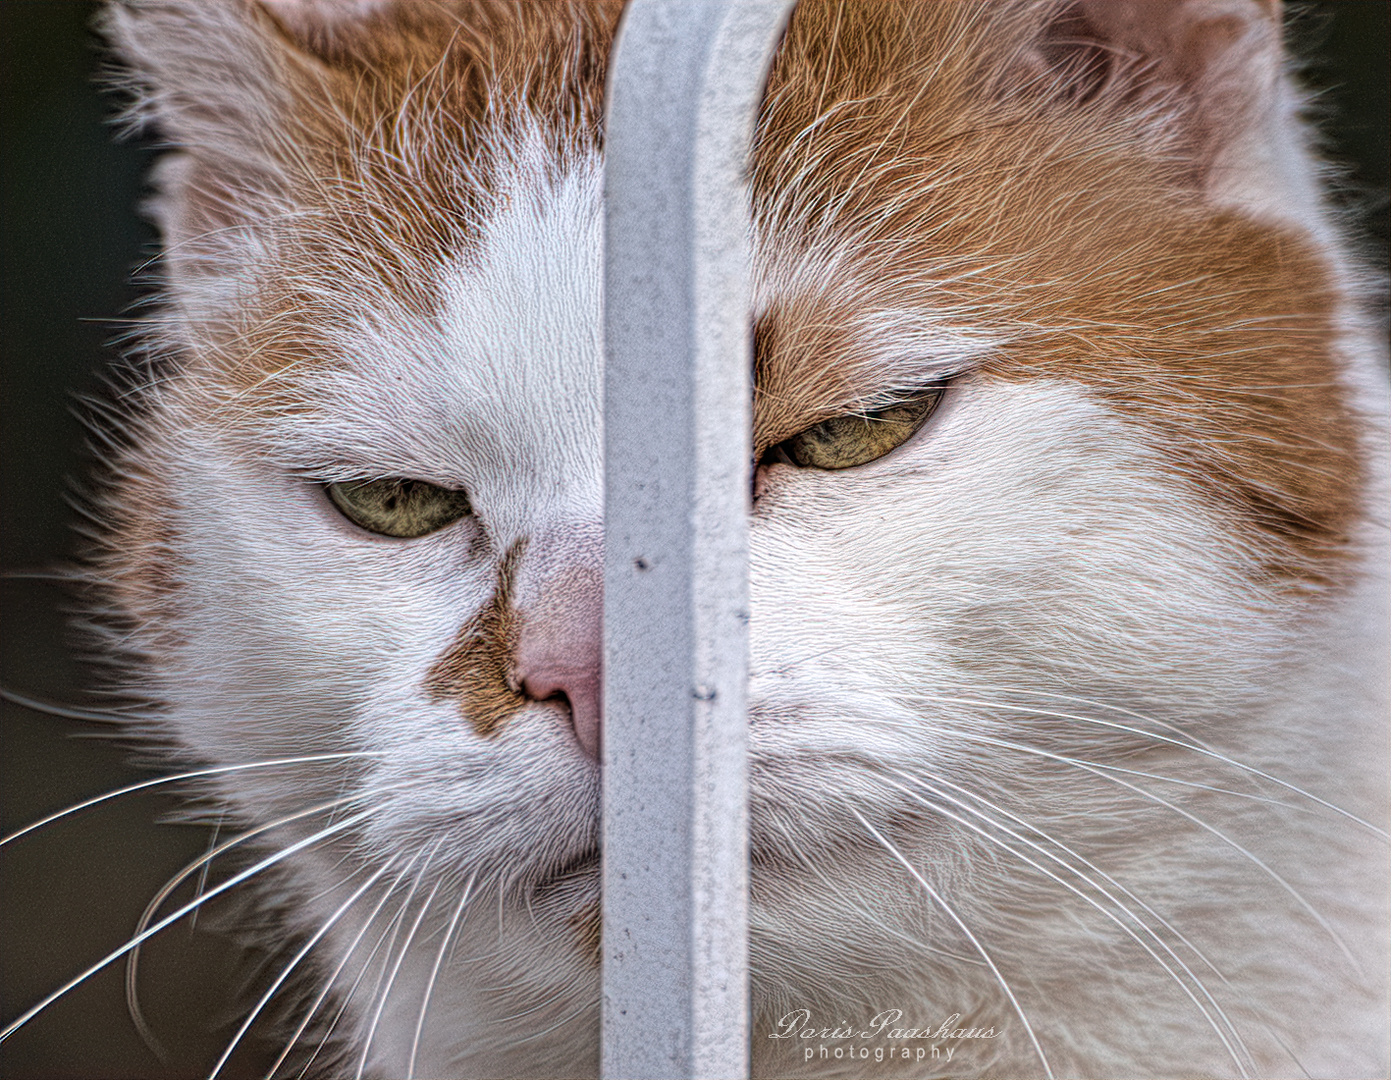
(389, 931)
(448, 939)
(810, 866)
(194, 774)
(383, 990)
(232, 882)
(1181, 743)
(137, 1014)
(69, 712)
(975, 942)
(332, 980)
(1241, 1059)
(1246, 853)
(286, 971)
(202, 884)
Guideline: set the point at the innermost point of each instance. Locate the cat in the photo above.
(1067, 701)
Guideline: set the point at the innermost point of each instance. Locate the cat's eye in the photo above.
(859, 438)
(395, 507)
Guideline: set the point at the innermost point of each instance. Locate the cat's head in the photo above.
(1056, 453)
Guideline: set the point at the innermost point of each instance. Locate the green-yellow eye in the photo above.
(859, 438)
(405, 508)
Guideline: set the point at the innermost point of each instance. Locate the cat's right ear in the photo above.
(1211, 72)
(247, 107)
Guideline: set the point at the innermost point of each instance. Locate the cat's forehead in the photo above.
(934, 192)
(493, 383)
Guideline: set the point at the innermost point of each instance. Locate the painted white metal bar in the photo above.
(684, 86)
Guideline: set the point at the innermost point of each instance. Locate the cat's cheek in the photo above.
(1039, 545)
(283, 599)
(1017, 487)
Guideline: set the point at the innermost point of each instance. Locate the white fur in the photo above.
(1030, 743)
(1025, 572)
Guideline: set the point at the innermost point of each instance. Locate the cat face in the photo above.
(1056, 504)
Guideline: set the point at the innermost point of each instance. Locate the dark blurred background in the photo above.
(70, 239)
(70, 894)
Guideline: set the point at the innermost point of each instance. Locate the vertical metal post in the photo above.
(684, 87)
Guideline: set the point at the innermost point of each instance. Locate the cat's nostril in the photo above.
(579, 690)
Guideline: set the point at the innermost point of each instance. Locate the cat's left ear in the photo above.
(246, 95)
(1216, 68)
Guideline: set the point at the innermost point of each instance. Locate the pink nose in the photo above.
(560, 648)
(551, 677)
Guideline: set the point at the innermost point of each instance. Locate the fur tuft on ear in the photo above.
(1218, 65)
(320, 135)
(249, 110)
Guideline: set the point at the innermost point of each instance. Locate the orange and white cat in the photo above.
(1069, 742)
